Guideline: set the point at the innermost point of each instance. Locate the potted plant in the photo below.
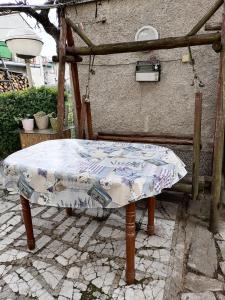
(54, 121)
(41, 120)
(27, 122)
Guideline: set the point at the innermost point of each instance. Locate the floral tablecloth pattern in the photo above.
(91, 174)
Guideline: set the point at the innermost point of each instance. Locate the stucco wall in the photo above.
(118, 101)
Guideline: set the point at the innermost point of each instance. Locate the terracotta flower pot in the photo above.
(28, 124)
(42, 122)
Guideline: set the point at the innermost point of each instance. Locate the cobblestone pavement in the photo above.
(82, 257)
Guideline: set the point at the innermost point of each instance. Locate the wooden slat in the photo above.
(196, 145)
(75, 79)
(145, 139)
(61, 74)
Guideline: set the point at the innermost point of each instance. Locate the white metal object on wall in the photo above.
(146, 33)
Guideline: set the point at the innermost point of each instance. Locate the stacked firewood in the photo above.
(18, 82)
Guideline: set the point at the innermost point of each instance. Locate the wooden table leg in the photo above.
(130, 243)
(151, 215)
(69, 211)
(28, 222)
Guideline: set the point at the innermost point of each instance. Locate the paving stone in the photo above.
(87, 233)
(52, 250)
(200, 284)
(203, 257)
(11, 255)
(71, 235)
(198, 296)
(221, 245)
(51, 274)
(49, 213)
(71, 256)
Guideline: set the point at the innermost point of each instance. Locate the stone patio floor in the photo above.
(83, 256)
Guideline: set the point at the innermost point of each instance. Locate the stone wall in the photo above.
(118, 101)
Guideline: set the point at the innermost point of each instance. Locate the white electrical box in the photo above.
(148, 71)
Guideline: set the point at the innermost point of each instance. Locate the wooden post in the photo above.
(196, 146)
(89, 122)
(151, 215)
(28, 222)
(61, 73)
(130, 243)
(69, 211)
(75, 80)
(218, 152)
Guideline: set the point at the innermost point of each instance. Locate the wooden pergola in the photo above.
(69, 53)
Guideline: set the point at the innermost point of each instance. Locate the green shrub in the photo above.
(16, 104)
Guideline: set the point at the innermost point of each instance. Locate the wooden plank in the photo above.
(68, 58)
(61, 74)
(83, 118)
(164, 43)
(196, 146)
(140, 139)
(213, 26)
(75, 79)
(89, 122)
(144, 134)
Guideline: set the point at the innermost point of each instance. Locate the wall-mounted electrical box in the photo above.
(148, 71)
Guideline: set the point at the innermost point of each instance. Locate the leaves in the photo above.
(17, 105)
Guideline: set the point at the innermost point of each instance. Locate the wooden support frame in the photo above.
(71, 54)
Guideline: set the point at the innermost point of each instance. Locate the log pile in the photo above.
(18, 81)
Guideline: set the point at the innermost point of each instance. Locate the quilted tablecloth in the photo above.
(91, 174)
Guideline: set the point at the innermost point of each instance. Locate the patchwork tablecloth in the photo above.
(82, 173)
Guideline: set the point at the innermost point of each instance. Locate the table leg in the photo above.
(69, 212)
(28, 222)
(151, 214)
(130, 243)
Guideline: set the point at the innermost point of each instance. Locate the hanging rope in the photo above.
(197, 83)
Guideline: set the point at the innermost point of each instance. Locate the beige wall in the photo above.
(121, 103)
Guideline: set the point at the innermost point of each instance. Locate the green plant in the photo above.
(17, 105)
(52, 115)
(40, 114)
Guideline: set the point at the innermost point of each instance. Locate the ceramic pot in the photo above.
(42, 122)
(28, 124)
(54, 123)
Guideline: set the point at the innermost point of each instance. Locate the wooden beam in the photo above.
(213, 26)
(197, 145)
(68, 58)
(75, 80)
(61, 74)
(205, 18)
(165, 43)
(145, 139)
(218, 151)
(80, 32)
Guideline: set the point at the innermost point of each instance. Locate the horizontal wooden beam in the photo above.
(185, 187)
(206, 17)
(144, 134)
(68, 58)
(146, 139)
(165, 43)
(213, 26)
